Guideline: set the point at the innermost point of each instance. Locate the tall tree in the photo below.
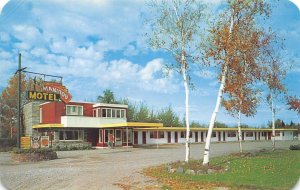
(235, 41)
(107, 97)
(8, 105)
(274, 74)
(175, 28)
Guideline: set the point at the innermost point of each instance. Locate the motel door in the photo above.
(118, 137)
(202, 136)
(224, 136)
(144, 137)
(135, 136)
(169, 137)
(196, 136)
(176, 137)
(219, 136)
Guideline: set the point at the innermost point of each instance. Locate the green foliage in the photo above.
(73, 147)
(220, 125)
(168, 117)
(108, 97)
(197, 125)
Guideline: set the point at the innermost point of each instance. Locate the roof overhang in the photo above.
(133, 125)
(53, 125)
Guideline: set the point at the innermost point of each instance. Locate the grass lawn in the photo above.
(262, 170)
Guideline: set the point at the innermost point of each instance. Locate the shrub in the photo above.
(295, 147)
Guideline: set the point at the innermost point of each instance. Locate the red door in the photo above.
(202, 136)
(196, 136)
(144, 137)
(176, 137)
(169, 137)
(269, 135)
(135, 136)
(224, 136)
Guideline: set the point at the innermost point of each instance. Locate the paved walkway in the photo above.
(104, 168)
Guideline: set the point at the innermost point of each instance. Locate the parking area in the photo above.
(104, 168)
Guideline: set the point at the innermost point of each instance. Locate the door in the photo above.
(118, 137)
(224, 136)
(136, 137)
(269, 135)
(258, 135)
(196, 136)
(144, 137)
(202, 137)
(176, 137)
(243, 135)
(255, 135)
(219, 136)
(169, 137)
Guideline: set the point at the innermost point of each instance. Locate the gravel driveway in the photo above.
(104, 168)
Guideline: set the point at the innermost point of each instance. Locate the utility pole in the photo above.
(19, 104)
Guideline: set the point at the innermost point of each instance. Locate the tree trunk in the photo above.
(219, 98)
(240, 132)
(213, 117)
(273, 123)
(187, 123)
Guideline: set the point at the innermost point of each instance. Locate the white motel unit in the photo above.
(83, 122)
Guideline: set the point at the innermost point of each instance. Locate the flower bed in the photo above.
(33, 155)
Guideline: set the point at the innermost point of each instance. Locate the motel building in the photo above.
(79, 123)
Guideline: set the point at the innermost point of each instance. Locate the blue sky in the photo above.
(97, 45)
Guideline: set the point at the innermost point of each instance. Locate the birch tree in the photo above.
(175, 28)
(274, 75)
(235, 39)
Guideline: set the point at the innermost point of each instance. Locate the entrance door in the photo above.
(258, 135)
(269, 135)
(169, 137)
(196, 136)
(224, 136)
(202, 137)
(219, 136)
(144, 137)
(255, 135)
(243, 135)
(118, 137)
(176, 137)
(136, 137)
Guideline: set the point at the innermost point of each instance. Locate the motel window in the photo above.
(182, 134)
(263, 134)
(122, 113)
(113, 114)
(157, 134)
(74, 110)
(100, 135)
(70, 135)
(108, 112)
(107, 132)
(214, 134)
(249, 134)
(103, 112)
(118, 113)
(231, 134)
(129, 136)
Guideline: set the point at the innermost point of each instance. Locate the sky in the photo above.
(100, 44)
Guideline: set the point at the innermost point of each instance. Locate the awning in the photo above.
(133, 125)
(52, 125)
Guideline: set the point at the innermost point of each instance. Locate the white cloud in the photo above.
(4, 37)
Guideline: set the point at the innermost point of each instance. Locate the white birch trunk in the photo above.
(240, 132)
(187, 122)
(214, 114)
(213, 117)
(273, 123)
